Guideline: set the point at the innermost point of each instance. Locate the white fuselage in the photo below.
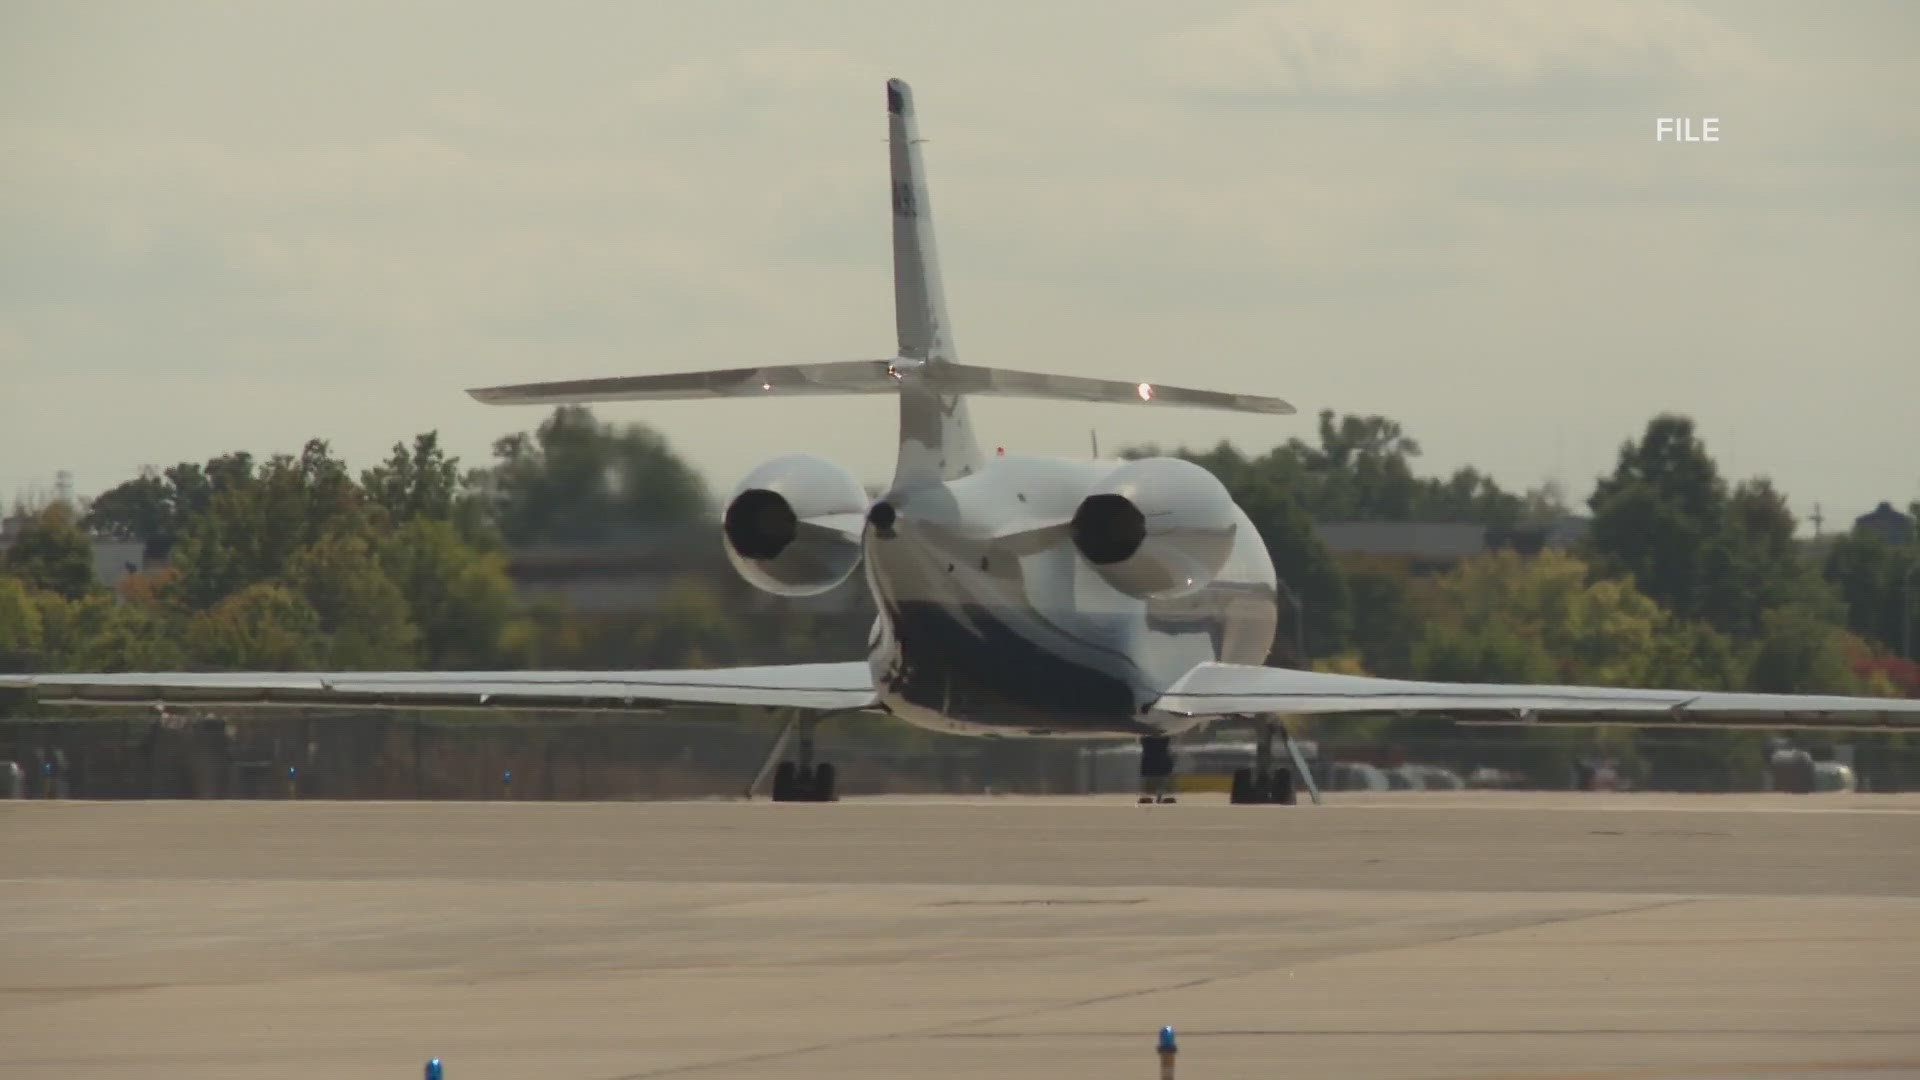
(990, 622)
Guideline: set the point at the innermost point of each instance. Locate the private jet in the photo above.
(1017, 595)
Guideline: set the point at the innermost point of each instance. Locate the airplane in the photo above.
(1017, 595)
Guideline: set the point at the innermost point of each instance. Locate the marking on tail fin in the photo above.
(936, 437)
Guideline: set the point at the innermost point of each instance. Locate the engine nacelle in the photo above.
(773, 525)
(1156, 527)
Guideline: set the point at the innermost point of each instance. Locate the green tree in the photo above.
(577, 479)
(263, 627)
(1386, 615)
(140, 509)
(1603, 632)
(155, 506)
(1871, 576)
(689, 628)
(1666, 518)
(544, 635)
(20, 631)
(1362, 470)
(1692, 656)
(52, 552)
(1659, 514)
(424, 483)
(1490, 653)
(253, 524)
(1801, 652)
(101, 633)
(460, 598)
(359, 610)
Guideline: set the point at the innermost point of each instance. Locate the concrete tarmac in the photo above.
(1469, 934)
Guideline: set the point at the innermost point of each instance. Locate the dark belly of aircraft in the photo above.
(971, 665)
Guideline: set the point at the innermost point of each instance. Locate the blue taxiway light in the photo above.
(433, 1070)
(1167, 1042)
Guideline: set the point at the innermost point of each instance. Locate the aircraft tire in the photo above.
(1242, 790)
(823, 783)
(1280, 788)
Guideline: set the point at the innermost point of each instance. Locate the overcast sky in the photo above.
(228, 226)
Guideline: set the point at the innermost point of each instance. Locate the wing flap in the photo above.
(1225, 689)
(834, 686)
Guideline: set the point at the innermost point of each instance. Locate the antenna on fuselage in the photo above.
(1094, 434)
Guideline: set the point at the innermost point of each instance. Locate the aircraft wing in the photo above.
(829, 687)
(1226, 689)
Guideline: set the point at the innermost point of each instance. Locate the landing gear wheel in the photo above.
(805, 783)
(1265, 783)
(1280, 788)
(1274, 787)
(1242, 791)
(799, 779)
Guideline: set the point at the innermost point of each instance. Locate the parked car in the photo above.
(1430, 777)
(1832, 776)
(1351, 776)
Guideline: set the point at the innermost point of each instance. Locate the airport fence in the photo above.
(345, 755)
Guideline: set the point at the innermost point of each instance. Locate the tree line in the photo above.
(295, 563)
(1681, 579)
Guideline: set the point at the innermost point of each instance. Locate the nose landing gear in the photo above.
(1156, 769)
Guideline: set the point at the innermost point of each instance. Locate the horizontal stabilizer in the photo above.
(839, 377)
(872, 377)
(1005, 382)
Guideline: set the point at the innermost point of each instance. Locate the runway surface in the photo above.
(1445, 935)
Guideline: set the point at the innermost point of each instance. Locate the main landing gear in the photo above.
(1265, 782)
(800, 779)
(1156, 769)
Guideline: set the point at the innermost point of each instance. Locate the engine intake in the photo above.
(785, 526)
(1156, 527)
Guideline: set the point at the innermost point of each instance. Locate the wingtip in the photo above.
(899, 97)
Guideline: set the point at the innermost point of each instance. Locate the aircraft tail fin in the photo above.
(919, 300)
(936, 438)
(936, 434)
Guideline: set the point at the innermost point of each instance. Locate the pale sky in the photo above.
(238, 225)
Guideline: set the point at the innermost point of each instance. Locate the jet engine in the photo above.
(792, 527)
(1156, 527)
